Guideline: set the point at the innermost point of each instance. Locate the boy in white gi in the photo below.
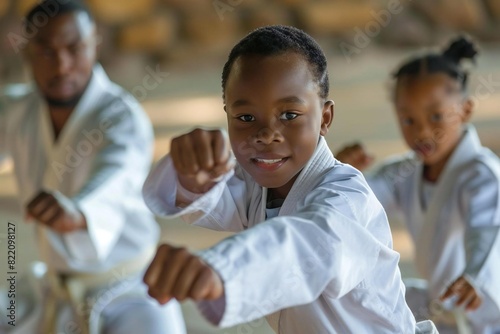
(313, 252)
(448, 190)
(82, 148)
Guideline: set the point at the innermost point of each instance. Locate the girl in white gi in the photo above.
(314, 250)
(447, 188)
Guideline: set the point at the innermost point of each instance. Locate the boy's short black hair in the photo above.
(276, 40)
(448, 62)
(53, 8)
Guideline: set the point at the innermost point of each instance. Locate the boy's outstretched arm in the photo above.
(176, 273)
(295, 262)
(197, 169)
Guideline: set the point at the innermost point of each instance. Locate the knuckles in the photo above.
(173, 253)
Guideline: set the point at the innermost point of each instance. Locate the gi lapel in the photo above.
(63, 153)
(316, 166)
(427, 257)
(415, 207)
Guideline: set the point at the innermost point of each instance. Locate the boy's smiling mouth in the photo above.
(268, 164)
(268, 161)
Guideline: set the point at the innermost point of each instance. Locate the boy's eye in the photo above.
(436, 117)
(288, 116)
(246, 118)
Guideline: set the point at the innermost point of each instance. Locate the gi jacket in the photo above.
(100, 161)
(326, 260)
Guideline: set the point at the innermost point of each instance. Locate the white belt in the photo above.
(75, 288)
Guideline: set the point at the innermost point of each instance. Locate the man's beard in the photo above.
(66, 103)
(70, 102)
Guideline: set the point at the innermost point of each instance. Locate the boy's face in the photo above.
(275, 117)
(431, 111)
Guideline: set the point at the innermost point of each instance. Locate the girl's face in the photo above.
(431, 111)
(275, 117)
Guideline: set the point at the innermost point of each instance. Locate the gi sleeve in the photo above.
(161, 190)
(290, 260)
(12, 96)
(114, 182)
(481, 205)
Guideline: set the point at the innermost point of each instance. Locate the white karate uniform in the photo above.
(99, 161)
(326, 261)
(454, 224)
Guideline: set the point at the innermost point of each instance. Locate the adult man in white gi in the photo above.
(81, 148)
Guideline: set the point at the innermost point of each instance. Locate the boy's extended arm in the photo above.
(290, 260)
(166, 197)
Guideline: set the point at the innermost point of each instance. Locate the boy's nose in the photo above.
(268, 135)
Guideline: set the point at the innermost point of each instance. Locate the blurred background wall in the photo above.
(184, 30)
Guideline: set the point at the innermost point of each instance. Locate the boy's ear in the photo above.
(327, 116)
(467, 109)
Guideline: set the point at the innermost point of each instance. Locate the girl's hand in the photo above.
(200, 158)
(356, 156)
(465, 292)
(176, 273)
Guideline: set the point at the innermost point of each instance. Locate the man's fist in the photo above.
(355, 155)
(176, 273)
(200, 157)
(55, 211)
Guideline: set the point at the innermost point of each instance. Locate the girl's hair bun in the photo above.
(459, 49)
